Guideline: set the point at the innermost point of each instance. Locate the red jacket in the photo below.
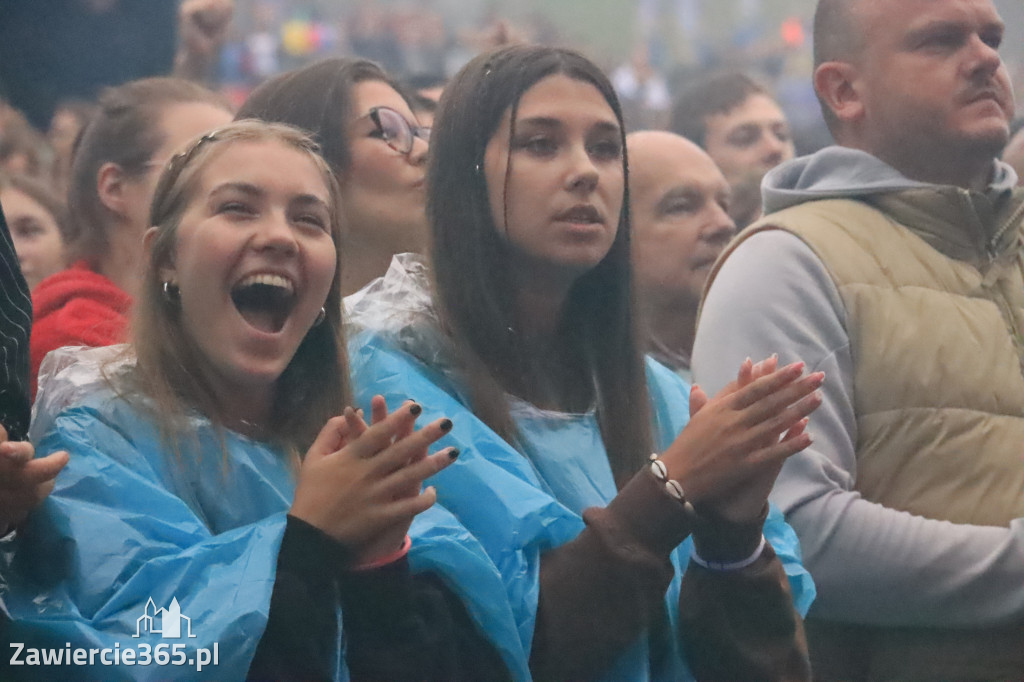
(76, 307)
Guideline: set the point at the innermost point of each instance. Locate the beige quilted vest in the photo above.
(933, 286)
(935, 314)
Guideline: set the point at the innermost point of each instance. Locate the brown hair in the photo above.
(717, 93)
(123, 131)
(317, 99)
(313, 388)
(43, 195)
(597, 335)
(19, 139)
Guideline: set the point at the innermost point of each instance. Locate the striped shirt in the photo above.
(15, 325)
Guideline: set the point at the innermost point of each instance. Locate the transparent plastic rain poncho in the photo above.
(515, 506)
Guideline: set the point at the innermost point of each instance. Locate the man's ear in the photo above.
(111, 185)
(838, 85)
(168, 273)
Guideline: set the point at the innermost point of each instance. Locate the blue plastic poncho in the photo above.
(129, 522)
(517, 506)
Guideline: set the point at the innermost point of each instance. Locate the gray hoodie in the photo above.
(873, 565)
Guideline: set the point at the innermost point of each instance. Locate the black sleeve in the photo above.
(398, 626)
(302, 626)
(402, 626)
(15, 326)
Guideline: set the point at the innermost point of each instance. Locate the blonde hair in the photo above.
(170, 368)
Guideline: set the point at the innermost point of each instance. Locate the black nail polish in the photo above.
(446, 425)
(415, 409)
(453, 454)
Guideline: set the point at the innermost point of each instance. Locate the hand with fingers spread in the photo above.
(361, 484)
(727, 457)
(24, 481)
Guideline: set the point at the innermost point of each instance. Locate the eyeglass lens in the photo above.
(397, 131)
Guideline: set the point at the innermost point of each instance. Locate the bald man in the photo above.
(679, 202)
(892, 262)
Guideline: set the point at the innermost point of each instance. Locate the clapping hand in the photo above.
(361, 484)
(728, 456)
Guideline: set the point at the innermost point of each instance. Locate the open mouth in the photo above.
(264, 301)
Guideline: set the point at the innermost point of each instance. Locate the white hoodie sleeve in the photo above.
(872, 564)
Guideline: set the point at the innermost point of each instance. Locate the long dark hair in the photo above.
(473, 279)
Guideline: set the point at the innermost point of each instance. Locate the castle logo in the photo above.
(165, 622)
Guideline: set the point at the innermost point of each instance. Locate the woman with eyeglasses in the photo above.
(375, 146)
(134, 131)
(618, 564)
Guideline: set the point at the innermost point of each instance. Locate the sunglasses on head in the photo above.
(394, 129)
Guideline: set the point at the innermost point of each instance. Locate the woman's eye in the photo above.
(314, 220)
(28, 229)
(539, 145)
(235, 208)
(607, 150)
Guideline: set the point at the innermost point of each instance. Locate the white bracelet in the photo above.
(725, 567)
(672, 487)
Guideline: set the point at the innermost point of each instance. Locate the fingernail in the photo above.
(415, 409)
(446, 425)
(453, 454)
(349, 411)
(774, 356)
(359, 412)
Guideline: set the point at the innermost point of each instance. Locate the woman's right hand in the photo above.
(361, 485)
(737, 441)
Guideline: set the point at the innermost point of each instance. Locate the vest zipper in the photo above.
(1015, 217)
(992, 251)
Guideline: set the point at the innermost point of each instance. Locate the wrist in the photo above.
(650, 515)
(729, 566)
(718, 540)
(384, 560)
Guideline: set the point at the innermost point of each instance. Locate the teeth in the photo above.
(267, 279)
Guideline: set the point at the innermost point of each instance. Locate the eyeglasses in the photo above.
(392, 127)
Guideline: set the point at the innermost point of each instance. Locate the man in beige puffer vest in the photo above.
(894, 263)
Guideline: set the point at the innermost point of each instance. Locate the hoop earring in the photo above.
(171, 293)
(320, 317)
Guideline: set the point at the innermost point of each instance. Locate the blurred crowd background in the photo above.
(650, 47)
